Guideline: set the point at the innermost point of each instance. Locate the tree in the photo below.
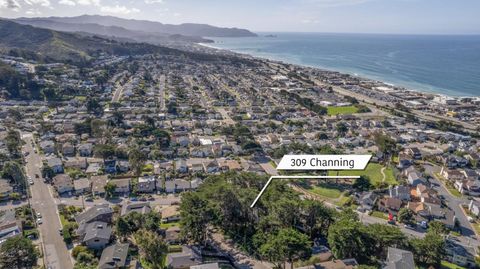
(13, 171)
(405, 215)
(47, 172)
(104, 150)
(429, 250)
(18, 252)
(362, 183)
(152, 248)
(195, 217)
(110, 189)
(385, 143)
(342, 128)
(384, 236)
(286, 246)
(347, 240)
(94, 106)
(13, 142)
(122, 227)
(137, 159)
(318, 218)
(437, 227)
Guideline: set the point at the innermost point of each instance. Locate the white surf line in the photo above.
(293, 177)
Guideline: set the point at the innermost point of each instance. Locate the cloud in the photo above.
(153, 1)
(89, 2)
(10, 4)
(123, 10)
(33, 12)
(43, 3)
(67, 2)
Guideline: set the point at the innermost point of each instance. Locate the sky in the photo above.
(340, 16)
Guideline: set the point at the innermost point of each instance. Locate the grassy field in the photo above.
(372, 171)
(341, 110)
(326, 191)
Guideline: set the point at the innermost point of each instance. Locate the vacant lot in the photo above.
(327, 191)
(372, 171)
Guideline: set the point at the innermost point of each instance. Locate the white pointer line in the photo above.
(287, 177)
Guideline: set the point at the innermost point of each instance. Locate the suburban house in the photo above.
(459, 254)
(9, 225)
(474, 207)
(68, 149)
(399, 259)
(367, 200)
(146, 184)
(114, 256)
(177, 185)
(63, 183)
(188, 257)
(400, 192)
(468, 187)
(81, 186)
(414, 178)
(415, 153)
(48, 147)
(95, 213)
(56, 165)
(96, 235)
(388, 204)
(85, 150)
(122, 185)
(181, 166)
(98, 184)
(142, 208)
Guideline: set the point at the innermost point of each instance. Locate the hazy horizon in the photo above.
(433, 17)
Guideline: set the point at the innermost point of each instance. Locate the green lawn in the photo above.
(448, 265)
(169, 225)
(340, 110)
(63, 220)
(326, 191)
(380, 215)
(372, 171)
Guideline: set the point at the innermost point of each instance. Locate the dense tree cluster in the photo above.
(281, 227)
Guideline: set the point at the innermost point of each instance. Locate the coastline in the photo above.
(343, 72)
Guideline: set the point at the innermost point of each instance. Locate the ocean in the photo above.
(447, 65)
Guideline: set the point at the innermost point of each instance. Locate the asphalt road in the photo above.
(468, 235)
(55, 251)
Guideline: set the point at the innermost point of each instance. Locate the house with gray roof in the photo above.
(56, 165)
(114, 256)
(142, 208)
(96, 234)
(399, 259)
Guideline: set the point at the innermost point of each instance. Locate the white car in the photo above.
(39, 221)
(39, 215)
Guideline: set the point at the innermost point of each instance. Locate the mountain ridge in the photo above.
(186, 29)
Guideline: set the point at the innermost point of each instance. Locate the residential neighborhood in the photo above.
(152, 161)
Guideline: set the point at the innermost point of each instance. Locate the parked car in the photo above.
(39, 221)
